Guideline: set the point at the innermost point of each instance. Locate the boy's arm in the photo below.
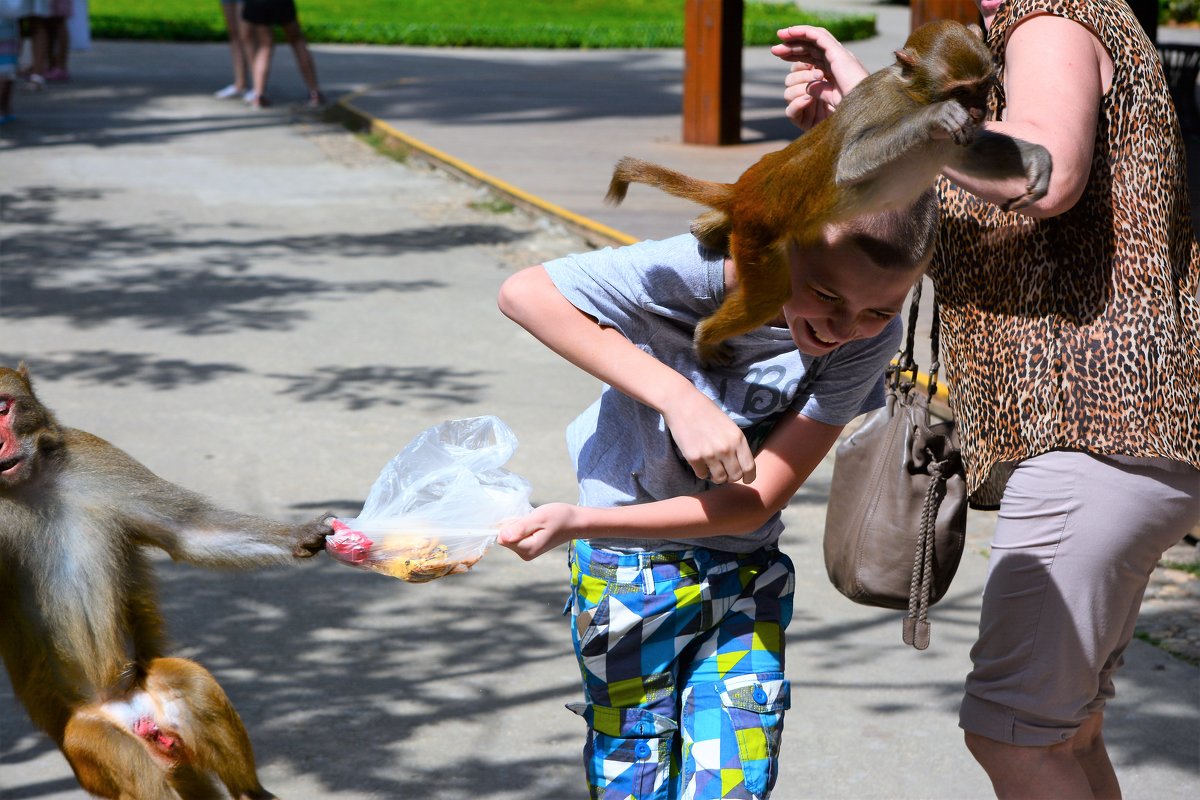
(792, 451)
(709, 440)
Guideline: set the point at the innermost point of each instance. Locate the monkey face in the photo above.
(839, 295)
(945, 60)
(26, 428)
(14, 456)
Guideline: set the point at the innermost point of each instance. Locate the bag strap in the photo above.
(902, 373)
(916, 624)
(935, 338)
(916, 627)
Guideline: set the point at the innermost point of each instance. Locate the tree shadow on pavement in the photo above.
(357, 388)
(345, 686)
(95, 272)
(353, 388)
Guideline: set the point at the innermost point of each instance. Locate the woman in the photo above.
(261, 17)
(1071, 336)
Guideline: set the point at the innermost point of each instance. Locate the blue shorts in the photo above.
(681, 655)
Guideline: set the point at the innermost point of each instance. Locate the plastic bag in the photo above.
(435, 508)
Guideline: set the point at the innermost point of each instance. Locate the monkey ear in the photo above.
(975, 29)
(906, 59)
(23, 372)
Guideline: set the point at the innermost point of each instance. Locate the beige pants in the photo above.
(1076, 541)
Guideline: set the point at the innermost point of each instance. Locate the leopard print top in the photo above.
(1079, 332)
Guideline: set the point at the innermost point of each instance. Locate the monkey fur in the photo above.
(877, 151)
(80, 631)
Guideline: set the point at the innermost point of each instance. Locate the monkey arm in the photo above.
(1020, 171)
(190, 529)
(1061, 114)
(711, 442)
(874, 141)
(183, 523)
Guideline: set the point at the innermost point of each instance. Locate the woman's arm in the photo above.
(790, 454)
(709, 440)
(1056, 77)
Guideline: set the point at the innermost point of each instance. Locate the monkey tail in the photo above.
(633, 170)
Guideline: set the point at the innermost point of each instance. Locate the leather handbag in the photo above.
(896, 521)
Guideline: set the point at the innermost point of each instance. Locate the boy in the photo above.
(679, 594)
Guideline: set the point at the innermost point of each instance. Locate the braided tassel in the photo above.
(916, 624)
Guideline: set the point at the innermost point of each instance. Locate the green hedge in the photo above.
(474, 23)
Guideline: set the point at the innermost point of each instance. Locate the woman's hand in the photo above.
(542, 530)
(823, 72)
(711, 443)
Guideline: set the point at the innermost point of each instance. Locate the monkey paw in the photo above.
(309, 539)
(1038, 167)
(957, 122)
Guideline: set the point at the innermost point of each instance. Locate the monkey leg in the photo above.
(111, 763)
(213, 733)
(712, 230)
(764, 285)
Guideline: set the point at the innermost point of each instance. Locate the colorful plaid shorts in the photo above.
(682, 661)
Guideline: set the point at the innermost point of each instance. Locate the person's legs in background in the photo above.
(263, 47)
(239, 51)
(304, 62)
(59, 41)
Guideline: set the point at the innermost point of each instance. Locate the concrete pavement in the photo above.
(259, 307)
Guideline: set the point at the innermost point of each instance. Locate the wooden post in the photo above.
(712, 72)
(965, 11)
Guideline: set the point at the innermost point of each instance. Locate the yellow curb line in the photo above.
(588, 227)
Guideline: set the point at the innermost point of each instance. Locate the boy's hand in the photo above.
(544, 529)
(710, 442)
(823, 72)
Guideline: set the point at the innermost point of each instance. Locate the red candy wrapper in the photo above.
(348, 545)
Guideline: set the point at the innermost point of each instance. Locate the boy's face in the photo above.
(839, 295)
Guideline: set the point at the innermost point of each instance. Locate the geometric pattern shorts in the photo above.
(681, 654)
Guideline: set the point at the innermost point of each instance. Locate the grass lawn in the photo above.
(465, 23)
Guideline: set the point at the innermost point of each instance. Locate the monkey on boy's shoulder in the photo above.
(883, 146)
(82, 637)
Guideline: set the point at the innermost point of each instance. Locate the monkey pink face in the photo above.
(839, 295)
(14, 461)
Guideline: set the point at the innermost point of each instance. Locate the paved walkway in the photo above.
(259, 307)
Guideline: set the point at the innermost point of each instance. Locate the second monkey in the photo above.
(888, 141)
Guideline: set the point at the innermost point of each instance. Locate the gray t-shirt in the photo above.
(655, 293)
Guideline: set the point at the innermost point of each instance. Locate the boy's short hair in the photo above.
(897, 239)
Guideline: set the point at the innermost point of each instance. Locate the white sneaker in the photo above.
(249, 96)
(228, 92)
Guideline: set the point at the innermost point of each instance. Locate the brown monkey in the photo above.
(887, 142)
(80, 631)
